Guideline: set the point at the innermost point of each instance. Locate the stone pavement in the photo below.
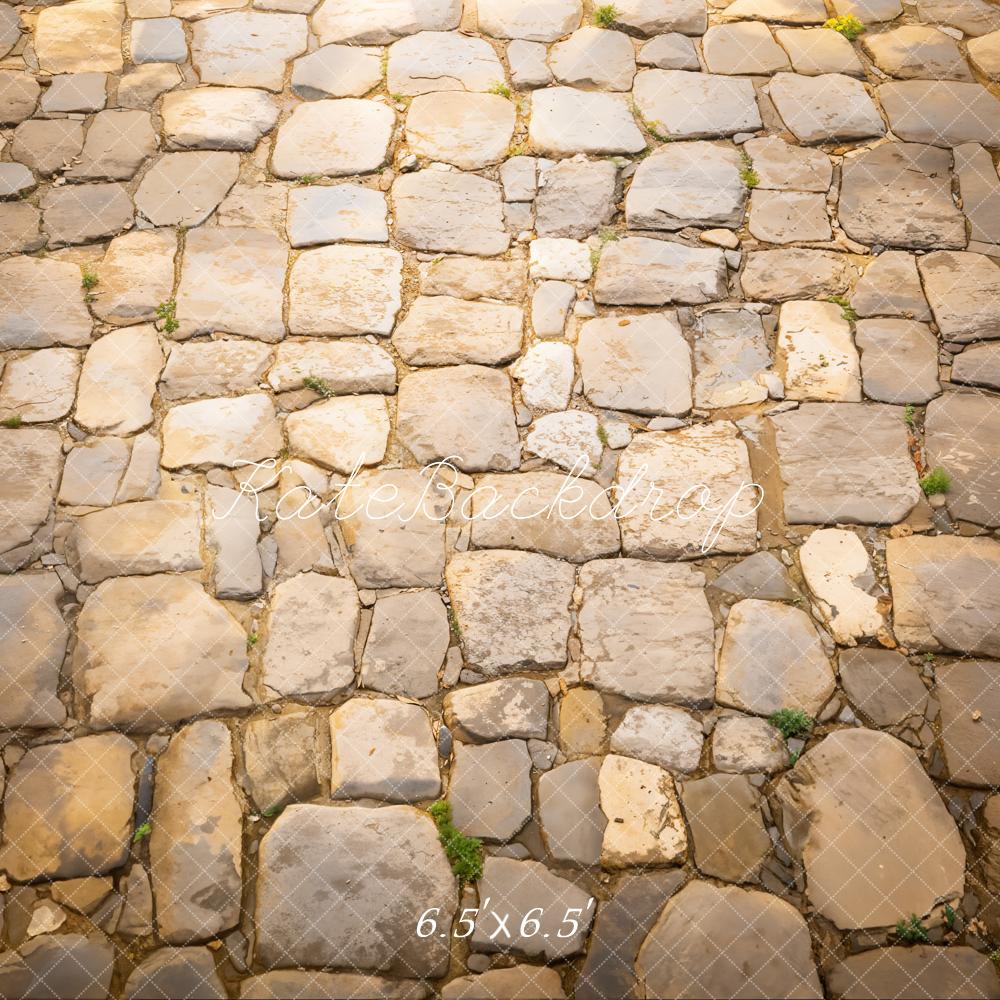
(262, 264)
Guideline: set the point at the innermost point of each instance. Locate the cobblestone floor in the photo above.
(500, 502)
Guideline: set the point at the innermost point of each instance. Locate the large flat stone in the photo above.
(136, 275)
(860, 815)
(490, 789)
(232, 282)
(196, 844)
(779, 275)
(333, 138)
(339, 887)
(660, 734)
(159, 536)
(512, 708)
(512, 609)
(154, 650)
(32, 460)
(85, 213)
(449, 212)
(33, 639)
(231, 432)
(515, 887)
(825, 108)
(523, 19)
(816, 356)
(376, 22)
(184, 189)
(917, 52)
(569, 812)
(944, 594)
(41, 304)
(725, 941)
(310, 636)
(343, 290)
(845, 462)
(176, 972)
(81, 37)
(921, 970)
(247, 48)
(967, 690)
(646, 632)
(68, 809)
(731, 359)
(433, 61)
(941, 112)
(59, 965)
(899, 194)
(342, 433)
(393, 523)
(463, 413)
(962, 435)
(644, 272)
(723, 813)
(118, 381)
(685, 105)
(383, 750)
(439, 330)
(899, 360)
(468, 130)
(687, 184)
(217, 118)
(684, 493)
(539, 512)
(963, 290)
(565, 121)
(772, 658)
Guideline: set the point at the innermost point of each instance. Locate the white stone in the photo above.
(335, 138)
(227, 432)
(345, 290)
(561, 259)
(344, 213)
(660, 734)
(685, 105)
(310, 636)
(527, 19)
(570, 439)
(468, 130)
(442, 60)
(217, 118)
(700, 472)
(637, 363)
(545, 373)
(341, 433)
(565, 121)
(247, 48)
(115, 394)
(839, 573)
(376, 22)
(816, 355)
(644, 817)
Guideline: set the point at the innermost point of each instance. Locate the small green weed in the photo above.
(911, 929)
(500, 89)
(307, 179)
(464, 853)
(791, 722)
(272, 811)
(142, 831)
(936, 481)
(910, 415)
(166, 313)
(605, 15)
(748, 175)
(11, 422)
(319, 386)
(456, 629)
(846, 309)
(89, 279)
(602, 435)
(949, 916)
(847, 25)
(252, 640)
